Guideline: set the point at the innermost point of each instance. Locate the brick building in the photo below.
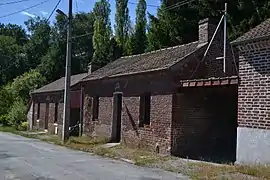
(174, 101)
(253, 132)
(47, 103)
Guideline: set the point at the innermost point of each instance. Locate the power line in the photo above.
(57, 4)
(82, 35)
(13, 2)
(149, 5)
(182, 3)
(16, 12)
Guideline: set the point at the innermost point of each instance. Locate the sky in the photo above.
(46, 8)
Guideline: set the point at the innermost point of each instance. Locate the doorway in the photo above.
(117, 113)
(204, 124)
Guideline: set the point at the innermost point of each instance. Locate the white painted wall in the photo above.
(253, 146)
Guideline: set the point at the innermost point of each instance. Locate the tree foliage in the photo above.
(139, 39)
(122, 25)
(102, 33)
(175, 25)
(24, 84)
(11, 56)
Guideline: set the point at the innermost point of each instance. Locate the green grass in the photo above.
(7, 129)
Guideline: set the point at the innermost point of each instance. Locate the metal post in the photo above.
(225, 38)
(66, 113)
(81, 111)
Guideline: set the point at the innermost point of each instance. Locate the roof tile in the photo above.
(59, 84)
(155, 60)
(259, 31)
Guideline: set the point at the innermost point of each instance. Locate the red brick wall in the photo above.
(51, 125)
(254, 94)
(51, 118)
(158, 133)
(101, 127)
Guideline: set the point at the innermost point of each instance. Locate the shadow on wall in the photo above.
(204, 124)
(259, 60)
(134, 126)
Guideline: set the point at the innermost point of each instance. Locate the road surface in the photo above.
(30, 159)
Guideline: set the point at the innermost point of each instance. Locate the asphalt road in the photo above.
(29, 159)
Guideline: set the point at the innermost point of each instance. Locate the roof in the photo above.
(59, 84)
(151, 61)
(260, 31)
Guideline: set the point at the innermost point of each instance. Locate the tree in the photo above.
(102, 33)
(83, 30)
(122, 24)
(139, 39)
(39, 41)
(24, 84)
(11, 64)
(15, 31)
(172, 26)
(176, 25)
(52, 65)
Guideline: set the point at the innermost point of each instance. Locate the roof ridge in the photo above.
(254, 36)
(158, 50)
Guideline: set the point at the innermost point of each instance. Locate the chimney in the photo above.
(206, 30)
(92, 67)
(89, 68)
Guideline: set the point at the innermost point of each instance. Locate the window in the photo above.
(55, 112)
(145, 101)
(95, 108)
(38, 111)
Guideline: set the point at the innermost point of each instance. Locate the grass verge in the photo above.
(195, 170)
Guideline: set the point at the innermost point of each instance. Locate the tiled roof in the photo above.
(155, 60)
(262, 30)
(59, 84)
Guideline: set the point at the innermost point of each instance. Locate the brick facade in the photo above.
(204, 123)
(149, 136)
(45, 106)
(253, 132)
(172, 118)
(254, 94)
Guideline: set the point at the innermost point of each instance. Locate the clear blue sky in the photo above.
(46, 8)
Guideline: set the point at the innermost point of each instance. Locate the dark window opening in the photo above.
(38, 111)
(55, 112)
(95, 108)
(145, 101)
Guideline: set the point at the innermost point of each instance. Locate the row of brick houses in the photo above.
(176, 100)
(47, 103)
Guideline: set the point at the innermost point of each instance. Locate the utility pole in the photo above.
(66, 114)
(225, 38)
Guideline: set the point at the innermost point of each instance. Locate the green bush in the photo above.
(23, 126)
(17, 113)
(22, 85)
(4, 121)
